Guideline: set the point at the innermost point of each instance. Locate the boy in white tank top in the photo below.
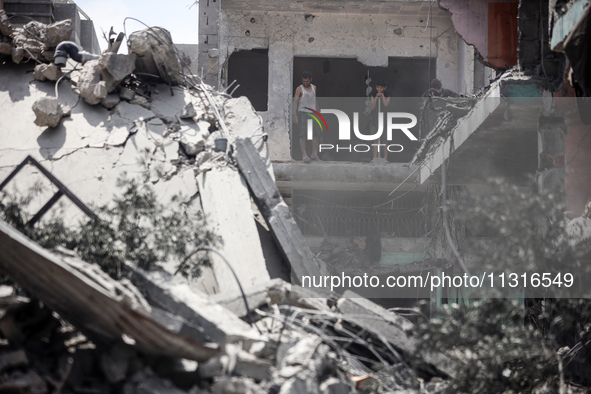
(305, 97)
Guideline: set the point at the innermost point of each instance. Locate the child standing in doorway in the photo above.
(379, 102)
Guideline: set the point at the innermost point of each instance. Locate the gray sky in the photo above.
(177, 16)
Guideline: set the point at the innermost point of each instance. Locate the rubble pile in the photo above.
(301, 342)
(35, 40)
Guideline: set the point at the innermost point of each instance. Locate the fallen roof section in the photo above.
(91, 300)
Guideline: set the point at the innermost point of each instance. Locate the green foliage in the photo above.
(525, 231)
(135, 228)
(495, 352)
(499, 346)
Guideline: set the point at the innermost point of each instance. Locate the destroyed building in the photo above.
(232, 158)
(259, 49)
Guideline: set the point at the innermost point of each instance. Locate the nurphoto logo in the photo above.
(395, 121)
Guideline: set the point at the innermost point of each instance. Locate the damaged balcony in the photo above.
(494, 135)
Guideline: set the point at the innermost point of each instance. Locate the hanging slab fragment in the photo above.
(91, 301)
(275, 211)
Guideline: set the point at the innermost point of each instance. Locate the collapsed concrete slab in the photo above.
(175, 295)
(90, 299)
(226, 202)
(276, 212)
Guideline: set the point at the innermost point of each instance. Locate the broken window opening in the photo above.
(250, 70)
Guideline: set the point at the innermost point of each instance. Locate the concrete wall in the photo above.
(470, 18)
(88, 38)
(209, 15)
(369, 38)
(62, 11)
(192, 52)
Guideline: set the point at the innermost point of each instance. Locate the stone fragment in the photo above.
(141, 101)
(110, 101)
(92, 89)
(5, 48)
(300, 384)
(155, 54)
(333, 385)
(236, 361)
(115, 67)
(188, 112)
(102, 76)
(44, 72)
(56, 32)
(310, 353)
(5, 26)
(235, 385)
(17, 55)
(202, 157)
(193, 140)
(126, 94)
(49, 111)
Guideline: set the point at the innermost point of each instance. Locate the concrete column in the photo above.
(278, 123)
(465, 68)
(209, 16)
(447, 61)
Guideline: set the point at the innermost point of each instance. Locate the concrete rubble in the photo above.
(141, 334)
(156, 54)
(35, 40)
(73, 329)
(49, 111)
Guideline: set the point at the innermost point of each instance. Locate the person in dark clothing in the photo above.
(379, 102)
(436, 90)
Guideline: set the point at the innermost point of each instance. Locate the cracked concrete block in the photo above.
(49, 111)
(5, 26)
(193, 140)
(5, 48)
(118, 136)
(133, 112)
(235, 385)
(110, 101)
(188, 112)
(141, 101)
(333, 385)
(300, 384)
(115, 67)
(56, 32)
(171, 150)
(44, 72)
(92, 89)
(126, 94)
(202, 157)
(17, 55)
(156, 54)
